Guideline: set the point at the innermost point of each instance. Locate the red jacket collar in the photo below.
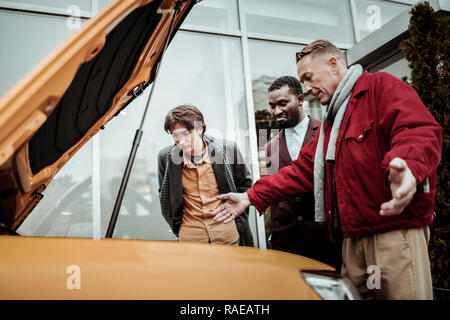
(362, 85)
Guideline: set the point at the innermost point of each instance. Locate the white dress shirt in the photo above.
(295, 137)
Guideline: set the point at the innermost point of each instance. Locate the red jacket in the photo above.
(385, 118)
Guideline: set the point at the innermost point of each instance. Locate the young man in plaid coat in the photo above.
(192, 173)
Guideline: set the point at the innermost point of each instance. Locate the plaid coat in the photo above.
(231, 175)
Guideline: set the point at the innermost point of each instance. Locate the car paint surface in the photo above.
(53, 268)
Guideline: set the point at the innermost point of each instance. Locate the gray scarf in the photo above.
(334, 113)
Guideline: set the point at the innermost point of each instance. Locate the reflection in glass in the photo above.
(397, 66)
(220, 14)
(66, 209)
(202, 70)
(38, 34)
(306, 19)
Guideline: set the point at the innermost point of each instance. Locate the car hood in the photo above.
(142, 269)
(68, 97)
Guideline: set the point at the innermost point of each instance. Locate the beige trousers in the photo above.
(391, 265)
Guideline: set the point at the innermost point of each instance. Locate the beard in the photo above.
(292, 120)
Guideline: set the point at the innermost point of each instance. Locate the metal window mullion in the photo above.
(211, 31)
(39, 9)
(289, 40)
(230, 15)
(405, 3)
(356, 34)
(254, 36)
(231, 125)
(260, 229)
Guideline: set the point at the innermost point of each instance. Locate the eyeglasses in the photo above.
(176, 136)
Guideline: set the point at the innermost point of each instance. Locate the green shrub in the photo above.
(427, 49)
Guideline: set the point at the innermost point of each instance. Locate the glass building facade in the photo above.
(222, 60)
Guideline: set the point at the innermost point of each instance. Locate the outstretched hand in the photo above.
(235, 204)
(403, 187)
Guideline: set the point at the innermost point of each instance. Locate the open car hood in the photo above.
(68, 97)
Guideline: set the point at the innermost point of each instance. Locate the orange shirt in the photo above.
(199, 193)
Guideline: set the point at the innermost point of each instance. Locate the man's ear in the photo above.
(333, 63)
(300, 99)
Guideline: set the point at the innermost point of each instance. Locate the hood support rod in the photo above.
(138, 136)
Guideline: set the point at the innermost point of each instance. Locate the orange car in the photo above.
(63, 91)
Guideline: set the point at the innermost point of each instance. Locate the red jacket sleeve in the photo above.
(414, 134)
(287, 183)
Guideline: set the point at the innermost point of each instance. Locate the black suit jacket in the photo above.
(241, 174)
(292, 222)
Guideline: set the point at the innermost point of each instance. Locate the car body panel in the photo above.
(39, 268)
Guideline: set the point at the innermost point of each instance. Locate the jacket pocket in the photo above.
(360, 156)
(361, 140)
(359, 131)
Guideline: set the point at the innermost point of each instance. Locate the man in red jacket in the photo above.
(372, 167)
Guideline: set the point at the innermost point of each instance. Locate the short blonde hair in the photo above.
(318, 47)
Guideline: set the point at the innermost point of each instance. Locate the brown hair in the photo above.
(185, 114)
(320, 47)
